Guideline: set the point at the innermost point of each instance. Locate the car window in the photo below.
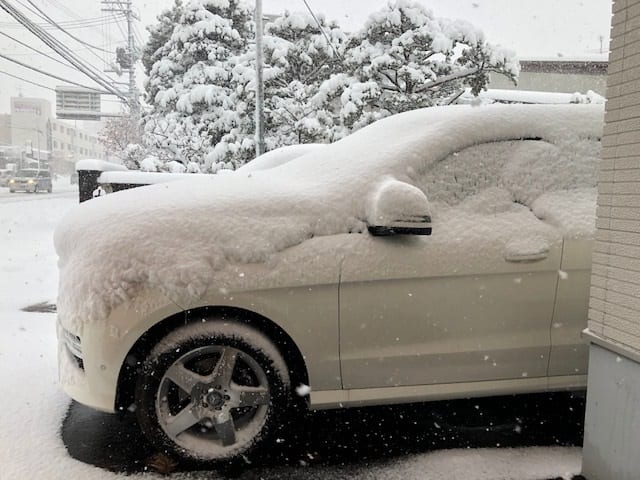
(524, 169)
(26, 173)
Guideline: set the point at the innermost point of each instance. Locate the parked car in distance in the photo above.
(440, 253)
(5, 176)
(31, 180)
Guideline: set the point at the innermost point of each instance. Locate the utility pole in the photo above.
(126, 59)
(259, 82)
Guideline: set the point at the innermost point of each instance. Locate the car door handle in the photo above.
(526, 257)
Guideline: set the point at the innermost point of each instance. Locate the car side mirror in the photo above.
(397, 208)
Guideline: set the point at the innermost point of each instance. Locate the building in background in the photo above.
(560, 74)
(32, 132)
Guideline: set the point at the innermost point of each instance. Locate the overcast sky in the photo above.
(533, 28)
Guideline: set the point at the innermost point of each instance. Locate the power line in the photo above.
(35, 50)
(127, 63)
(117, 23)
(21, 54)
(27, 81)
(103, 23)
(52, 22)
(69, 25)
(44, 16)
(17, 77)
(62, 50)
(335, 52)
(49, 74)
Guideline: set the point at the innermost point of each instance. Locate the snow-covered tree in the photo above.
(405, 58)
(159, 35)
(190, 85)
(298, 58)
(319, 84)
(121, 138)
(301, 58)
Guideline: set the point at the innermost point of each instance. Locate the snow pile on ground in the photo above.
(33, 405)
(178, 238)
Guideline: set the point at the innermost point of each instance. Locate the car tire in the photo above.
(233, 395)
(12, 191)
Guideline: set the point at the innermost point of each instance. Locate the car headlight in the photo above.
(29, 181)
(74, 345)
(12, 181)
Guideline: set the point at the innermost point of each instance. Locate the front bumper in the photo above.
(91, 354)
(79, 376)
(27, 187)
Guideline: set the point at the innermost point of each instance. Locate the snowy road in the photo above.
(21, 197)
(406, 442)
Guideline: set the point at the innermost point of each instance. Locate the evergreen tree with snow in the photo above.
(159, 35)
(190, 84)
(301, 58)
(405, 58)
(298, 58)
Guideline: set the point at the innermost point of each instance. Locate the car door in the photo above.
(472, 302)
(569, 351)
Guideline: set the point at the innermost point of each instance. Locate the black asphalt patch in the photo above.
(351, 439)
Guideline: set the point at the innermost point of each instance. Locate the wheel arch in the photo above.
(136, 355)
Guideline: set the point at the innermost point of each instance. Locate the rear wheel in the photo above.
(212, 391)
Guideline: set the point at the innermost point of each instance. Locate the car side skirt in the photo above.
(420, 393)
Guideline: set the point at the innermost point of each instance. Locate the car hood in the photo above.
(180, 237)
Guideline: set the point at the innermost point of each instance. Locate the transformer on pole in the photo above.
(126, 58)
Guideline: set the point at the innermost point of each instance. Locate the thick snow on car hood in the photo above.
(179, 237)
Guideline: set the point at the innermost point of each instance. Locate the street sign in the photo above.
(75, 103)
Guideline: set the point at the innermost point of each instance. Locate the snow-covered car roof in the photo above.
(179, 237)
(279, 156)
(528, 96)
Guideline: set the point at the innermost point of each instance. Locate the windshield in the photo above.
(27, 173)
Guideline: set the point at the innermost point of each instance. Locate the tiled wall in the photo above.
(614, 311)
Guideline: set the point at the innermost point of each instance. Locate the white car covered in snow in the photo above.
(439, 253)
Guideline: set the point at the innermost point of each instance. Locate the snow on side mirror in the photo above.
(397, 208)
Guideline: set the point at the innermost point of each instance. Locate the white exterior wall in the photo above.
(74, 143)
(614, 311)
(29, 117)
(552, 82)
(612, 425)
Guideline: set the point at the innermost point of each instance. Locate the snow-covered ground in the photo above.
(33, 406)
